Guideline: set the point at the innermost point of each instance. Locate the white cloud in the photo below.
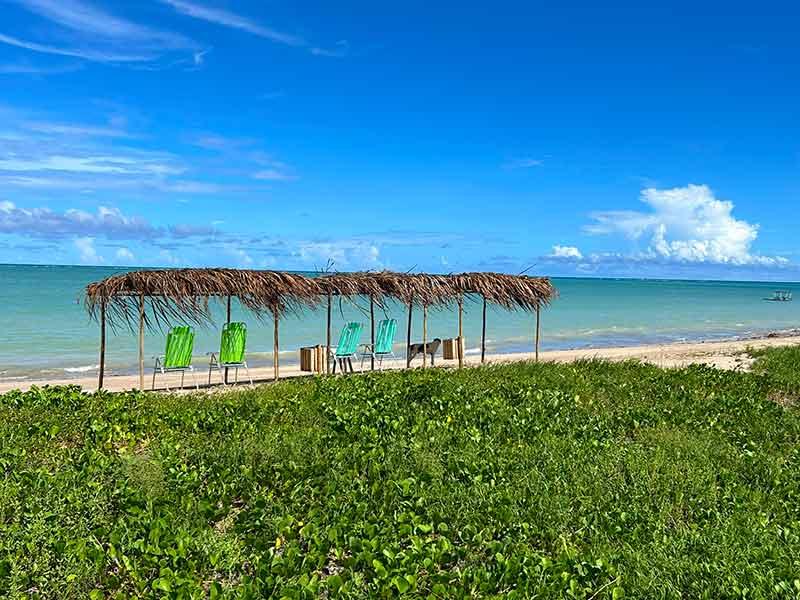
(87, 54)
(75, 130)
(169, 258)
(229, 19)
(524, 163)
(106, 222)
(125, 256)
(274, 175)
(226, 18)
(87, 251)
(685, 224)
(96, 35)
(90, 164)
(566, 252)
(343, 253)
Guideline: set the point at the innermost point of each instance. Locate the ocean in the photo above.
(46, 332)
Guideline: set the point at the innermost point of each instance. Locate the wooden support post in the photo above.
(102, 344)
(483, 333)
(141, 342)
(408, 336)
(460, 345)
(228, 322)
(537, 333)
(372, 332)
(424, 335)
(275, 342)
(328, 342)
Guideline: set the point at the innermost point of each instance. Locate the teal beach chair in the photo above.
(384, 343)
(231, 352)
(177, 355)
(347, 347)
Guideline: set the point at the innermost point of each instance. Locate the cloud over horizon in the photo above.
(684, 224)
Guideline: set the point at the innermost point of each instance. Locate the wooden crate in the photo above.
(312, 359)
(451, 347)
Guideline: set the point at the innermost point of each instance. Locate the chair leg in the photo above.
(236, 376)
(166, 379)
(153, 386)
(247, 370)
(210, 364)
(350, 362)
(194, 378)
(221, 374)
(334, 366)
(183, 374)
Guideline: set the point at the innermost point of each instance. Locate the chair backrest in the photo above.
(385, 338)
(180, 343)
(348, 339)
(231, 347)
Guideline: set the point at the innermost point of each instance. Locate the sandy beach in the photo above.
(721, 354)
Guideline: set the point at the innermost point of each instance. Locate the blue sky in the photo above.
(621, 139)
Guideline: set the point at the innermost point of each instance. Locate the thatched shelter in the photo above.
(155, 299)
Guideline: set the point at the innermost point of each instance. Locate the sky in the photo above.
(559, 138)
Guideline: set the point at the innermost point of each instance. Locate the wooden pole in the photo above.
(372, 332)
(537, 333)
(228, 322)
(460, 331)
(408, 336)
(275, 342)
(141, 342)
(424, 335)
(483, 333)
(102, 344)
(328, 342)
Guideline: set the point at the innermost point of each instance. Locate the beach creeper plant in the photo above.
(586, 480)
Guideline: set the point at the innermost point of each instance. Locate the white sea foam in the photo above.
(83, 369)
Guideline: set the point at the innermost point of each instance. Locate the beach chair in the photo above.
(177, 355)
(347, 347)
(384, 343)
(231, 352)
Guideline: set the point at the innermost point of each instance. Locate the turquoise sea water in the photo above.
(46, 331)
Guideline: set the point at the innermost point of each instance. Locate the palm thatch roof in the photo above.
(184, 294)
(512, 292)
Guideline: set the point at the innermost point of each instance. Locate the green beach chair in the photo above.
(347, 347)
(384, 343)
(231, 352)
(177, 355)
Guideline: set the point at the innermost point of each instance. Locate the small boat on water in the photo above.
(780, 296)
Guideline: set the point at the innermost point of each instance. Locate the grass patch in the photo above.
(782, 365)
(586, 480)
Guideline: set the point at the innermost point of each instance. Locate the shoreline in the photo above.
(723, 354)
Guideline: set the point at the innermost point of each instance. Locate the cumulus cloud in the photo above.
(110, 223)
(87, 251)
(125, 256)
(566, 252)
(343, 253)
(686, 224)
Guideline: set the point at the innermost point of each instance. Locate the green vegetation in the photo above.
(589, 480)
(782, 365)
